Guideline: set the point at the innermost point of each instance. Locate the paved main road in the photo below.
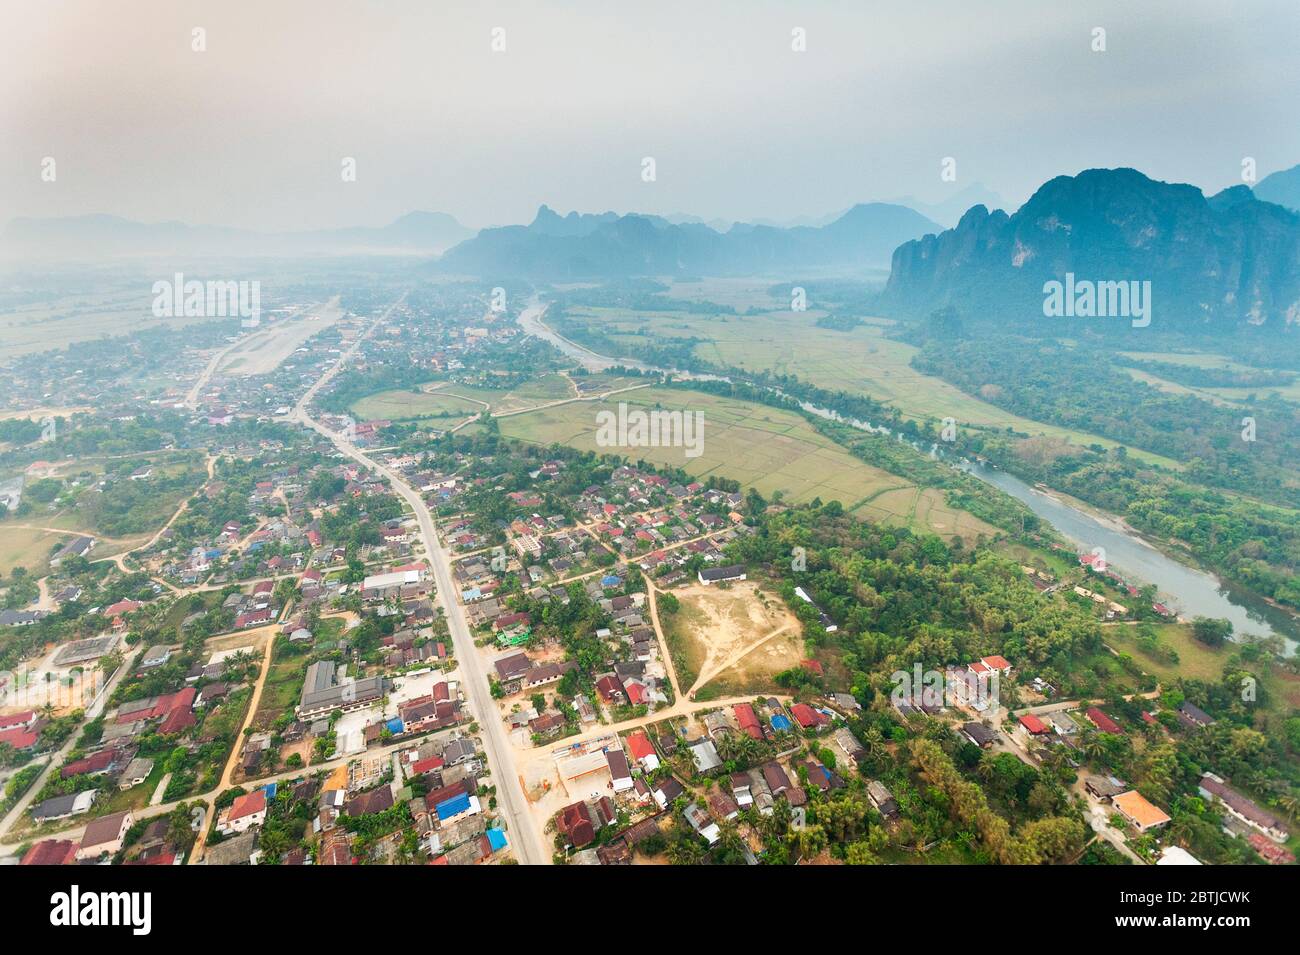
(524, 837)
(527, 845)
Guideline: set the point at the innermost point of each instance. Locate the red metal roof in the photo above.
(248, 804)
(51, 852)
(1102, 721)
(639, 745)
(1032, 723)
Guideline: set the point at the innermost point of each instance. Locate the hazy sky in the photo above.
(252, 132)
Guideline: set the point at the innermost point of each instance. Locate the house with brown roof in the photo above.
(372, 801)
(96, 764)
(619, 771)
(611, 690)
(104, 835)
(775, 777)
(1103, 787)
(512, 667)
(574, 821)
(1215, 789)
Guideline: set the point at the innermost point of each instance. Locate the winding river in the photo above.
(1191, 592)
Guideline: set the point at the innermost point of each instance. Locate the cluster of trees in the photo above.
(1078, 387)
(1048, 839)
(574, 625)
(355, 523)
(21, 589)
(19, 431)
(1199, 376)
(180, 831)
(355, 385)
(839, 323)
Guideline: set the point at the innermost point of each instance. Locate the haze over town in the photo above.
(746, 434)
(251, 132)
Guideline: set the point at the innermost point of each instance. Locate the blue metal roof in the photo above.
(496, 839)
(452, 807)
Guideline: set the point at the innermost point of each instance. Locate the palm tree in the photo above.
(1092, 746)
(873, 742)
(1055, 759)
(1182, 828)
(1289, 803)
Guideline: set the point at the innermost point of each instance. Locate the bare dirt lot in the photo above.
(736, 630)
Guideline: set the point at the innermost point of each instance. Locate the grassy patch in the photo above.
(766, 448)
(289, 664)
(405, 405)
(687, 654)
(1195, 660)
(860, 361)
(28, 547)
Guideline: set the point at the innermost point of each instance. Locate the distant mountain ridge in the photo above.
(609, 245)
(423, 233)
(1281, 187)
(1222, 261)
(948, 212)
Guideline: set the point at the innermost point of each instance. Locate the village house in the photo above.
(323, 692)
(1103, 722)
(246, 811)
(1192, 716)
(104, 835)
(979, 734)
(135, 773)
(620, 773)
(717, 575)
(1141, 814)
(642, 750)
(51, 852)
(1030, 727)
(61, 807)
(882, 799)
(1215, 789)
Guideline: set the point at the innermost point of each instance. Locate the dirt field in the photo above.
(754, 672)
(253, 639)
(733, 631)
